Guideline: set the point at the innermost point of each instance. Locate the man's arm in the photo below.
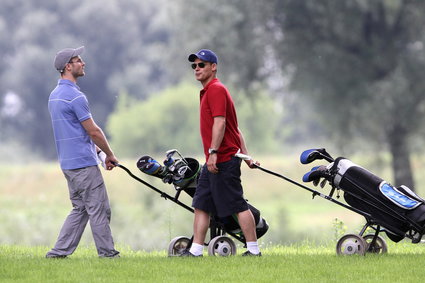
(218, 130)
(98, 137)
(244, 150)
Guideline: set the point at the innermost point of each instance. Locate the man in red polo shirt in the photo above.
(219, 190)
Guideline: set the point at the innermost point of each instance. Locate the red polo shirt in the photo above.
(216, 101)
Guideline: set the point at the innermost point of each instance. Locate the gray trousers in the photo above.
(89, 199)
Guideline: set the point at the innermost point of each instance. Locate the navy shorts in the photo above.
(221, 194)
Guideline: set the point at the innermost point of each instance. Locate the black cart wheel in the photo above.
(379, 247)
(178, 245)
(351, 244)
(221, 246)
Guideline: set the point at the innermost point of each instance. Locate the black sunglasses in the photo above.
(201, 65)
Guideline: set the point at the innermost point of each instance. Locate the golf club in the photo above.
(314, 192)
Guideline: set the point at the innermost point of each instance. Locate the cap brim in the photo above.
(192, 57)
(78, 51)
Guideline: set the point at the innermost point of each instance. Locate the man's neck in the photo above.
(69, 77)
(206, 82)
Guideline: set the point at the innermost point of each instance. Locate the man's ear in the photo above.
(67, 68)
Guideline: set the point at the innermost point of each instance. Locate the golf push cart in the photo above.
(182, 173)
(396, 211)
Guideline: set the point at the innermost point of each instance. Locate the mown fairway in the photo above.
(300, 263)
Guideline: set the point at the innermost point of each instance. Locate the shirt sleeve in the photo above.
(81, 108)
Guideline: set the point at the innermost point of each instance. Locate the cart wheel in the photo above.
(221, 246)
(351, 244)
(178, 245)
(380, 246)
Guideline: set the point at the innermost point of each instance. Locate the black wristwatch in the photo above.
(212, 151)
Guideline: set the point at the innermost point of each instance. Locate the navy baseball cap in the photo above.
(205, 55)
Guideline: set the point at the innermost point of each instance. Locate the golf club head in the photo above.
(323, 183)
(311, 155)
(150, 166)
(171, 152)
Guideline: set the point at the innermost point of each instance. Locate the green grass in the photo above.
(296, 263)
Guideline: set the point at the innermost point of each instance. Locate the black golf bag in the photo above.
(398, 210)
(183, 173)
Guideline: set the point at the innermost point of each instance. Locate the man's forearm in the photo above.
(218, 130)
(101, 142)
(244, 149)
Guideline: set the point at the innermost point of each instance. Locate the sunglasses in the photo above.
(201, 65)
(77, 61)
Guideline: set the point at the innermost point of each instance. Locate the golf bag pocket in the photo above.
(396, 197)
(231, 222)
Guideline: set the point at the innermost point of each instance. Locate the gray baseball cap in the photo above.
(63, 57)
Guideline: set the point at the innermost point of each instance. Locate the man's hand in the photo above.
(110, 162)
(252, 163)
(212, 163)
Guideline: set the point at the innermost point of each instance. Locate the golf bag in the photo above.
(398, 210)
(183, 173)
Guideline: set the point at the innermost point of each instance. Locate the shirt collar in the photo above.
(207, 86)
(68, 82)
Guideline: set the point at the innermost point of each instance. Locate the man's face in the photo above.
(204, 71)
(76, 65)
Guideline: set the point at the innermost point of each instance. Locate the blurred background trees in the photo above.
(342, 74)
(358, 61)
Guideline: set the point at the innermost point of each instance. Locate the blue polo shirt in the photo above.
(68, 107)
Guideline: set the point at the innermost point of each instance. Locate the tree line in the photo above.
(347, 71)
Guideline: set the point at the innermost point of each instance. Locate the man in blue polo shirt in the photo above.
(78, 141)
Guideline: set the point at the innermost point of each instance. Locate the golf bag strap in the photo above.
(340, 167)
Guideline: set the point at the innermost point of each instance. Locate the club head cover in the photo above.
(310, 155)
(315, 174)
(148, 165)
(316, 180)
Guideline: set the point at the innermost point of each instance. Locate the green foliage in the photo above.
(339, 229)
(124, 41)
(167, 120)
(233, 29)
(259, 120)
(358, 61)
(170, 119)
